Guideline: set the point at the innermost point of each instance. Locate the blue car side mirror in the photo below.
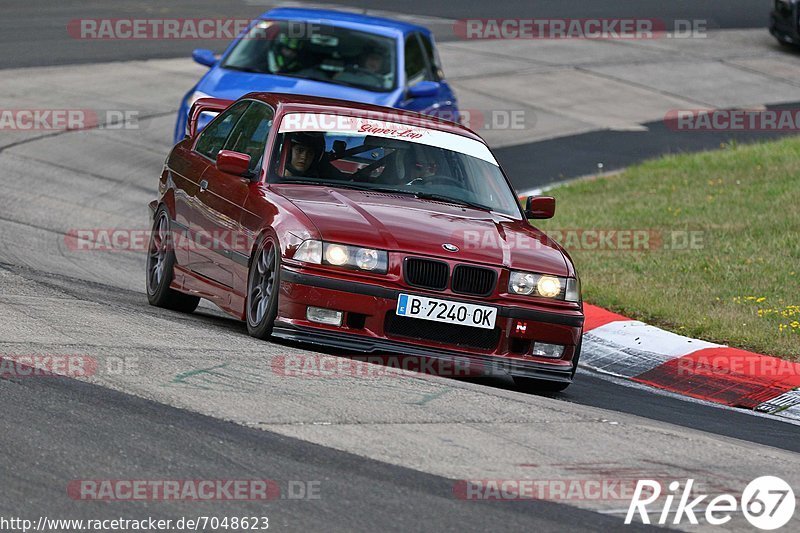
(204, 57)
(423, 89)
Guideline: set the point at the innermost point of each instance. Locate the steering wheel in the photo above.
(437, 179)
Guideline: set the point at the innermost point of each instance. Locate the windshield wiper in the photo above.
(244, 69)
(390, 190)
(416, 194)
(448, 199)
(430, 196)
(334, 184)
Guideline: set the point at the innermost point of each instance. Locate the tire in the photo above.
(160, 269)
(262, 288)
(533, 385)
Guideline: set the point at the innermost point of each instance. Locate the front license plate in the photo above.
(477, 316)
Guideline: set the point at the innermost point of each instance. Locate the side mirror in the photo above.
(233, 163)
(423, 89)
(204, 57)
(540, 207)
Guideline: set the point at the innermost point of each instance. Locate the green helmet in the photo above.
(292, 43)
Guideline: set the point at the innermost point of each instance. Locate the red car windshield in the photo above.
(430, 165)
(316, 52)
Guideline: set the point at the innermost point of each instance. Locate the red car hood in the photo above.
(397, 222)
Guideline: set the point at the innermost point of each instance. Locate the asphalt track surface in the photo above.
(58, 429)
(129, 434)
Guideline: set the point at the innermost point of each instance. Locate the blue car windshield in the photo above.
(316, 52)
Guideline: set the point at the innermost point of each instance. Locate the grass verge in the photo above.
(718, 247)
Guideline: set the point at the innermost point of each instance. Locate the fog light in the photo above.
(324, 316)
(542, 349)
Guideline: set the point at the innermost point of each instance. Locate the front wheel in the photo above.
(262, 289)
(160, 269)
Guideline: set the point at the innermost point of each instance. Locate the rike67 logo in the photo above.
(767, 503)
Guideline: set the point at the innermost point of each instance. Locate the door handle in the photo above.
(203, 185)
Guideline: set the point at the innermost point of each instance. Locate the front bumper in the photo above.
(372, 304)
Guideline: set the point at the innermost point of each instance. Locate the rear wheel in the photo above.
(160, 269)
(262, 289)
(542, 385)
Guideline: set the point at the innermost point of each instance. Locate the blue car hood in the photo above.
(232, 84)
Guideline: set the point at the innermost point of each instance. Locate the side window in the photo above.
(213, 137)
(433, 58)
(250, 134)
(416, 69)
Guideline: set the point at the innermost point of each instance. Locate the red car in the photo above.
(363, 228)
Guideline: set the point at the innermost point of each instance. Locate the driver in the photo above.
(287, 58)
(304, 155)
(420, 165)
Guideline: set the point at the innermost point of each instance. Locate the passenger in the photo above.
(372, 62)
(370, 69)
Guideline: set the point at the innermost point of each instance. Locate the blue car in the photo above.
(331, 54)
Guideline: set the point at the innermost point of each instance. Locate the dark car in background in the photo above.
(784, 22)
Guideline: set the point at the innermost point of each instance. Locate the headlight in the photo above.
(367, 259)
(309, 252)
(548, 286)
(343, 255)
(545, 286)
(522, 283)
(336, 254)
